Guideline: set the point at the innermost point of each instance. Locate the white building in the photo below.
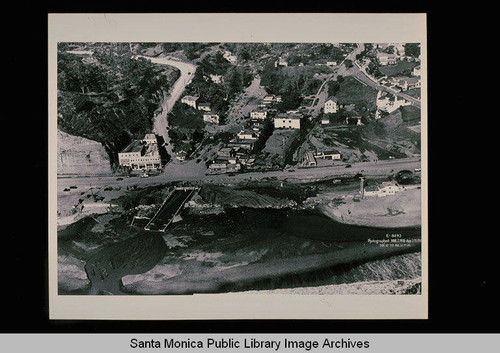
(280, 62)
(387, 188)
(259, 114)
(230, 57)
(211, 118)
(333, 155)
(216, 78)
(416, 71)
(189, 100)
(271, 98)
(247, 134)
(331, 105)
(287, 121)
(205, 107)
(385, 59)
(331, 63)
(141, 154)
(325, 120)
(388, 103)
(149, 138)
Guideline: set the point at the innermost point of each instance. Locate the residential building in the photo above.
(416, 71)
(406, 83)
(230, 57)
(226, 152)
(247, 134)
(141, 154)
(331, 105)
(331, 63)
(190, 100)
(325, 120)
(181, 155)
(332, 154)
(211, 118)
(216, 78)
(353, 120)
(280, 62)
(258, 114)
(287, 121)
(386, 188)
(388, 103)
(204, 106)
(386, 58)
(247, 145)
(271, 98)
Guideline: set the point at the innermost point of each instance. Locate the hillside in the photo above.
(78, 155)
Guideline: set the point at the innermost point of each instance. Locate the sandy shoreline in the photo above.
(394, 287)
(400, 210)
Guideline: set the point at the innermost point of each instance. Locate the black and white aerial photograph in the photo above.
(219, 167)
(256, 168)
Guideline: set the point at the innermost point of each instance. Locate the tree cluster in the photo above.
(111, 98)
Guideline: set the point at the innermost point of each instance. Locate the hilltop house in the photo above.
(331, 105)
(325, 120)
(190, 100)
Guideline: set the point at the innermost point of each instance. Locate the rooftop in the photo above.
(134, 146)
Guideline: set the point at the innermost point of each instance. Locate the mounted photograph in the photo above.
(253, 172)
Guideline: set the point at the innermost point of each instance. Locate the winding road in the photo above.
(187, 72)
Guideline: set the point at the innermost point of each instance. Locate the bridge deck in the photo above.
(170, 208)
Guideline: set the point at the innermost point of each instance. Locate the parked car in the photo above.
(118, 179)
(348, 166)
(144, 175)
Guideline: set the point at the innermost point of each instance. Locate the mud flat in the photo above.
(400, 210)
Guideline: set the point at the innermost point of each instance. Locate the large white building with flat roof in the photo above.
(141, 154)
(287, 121)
